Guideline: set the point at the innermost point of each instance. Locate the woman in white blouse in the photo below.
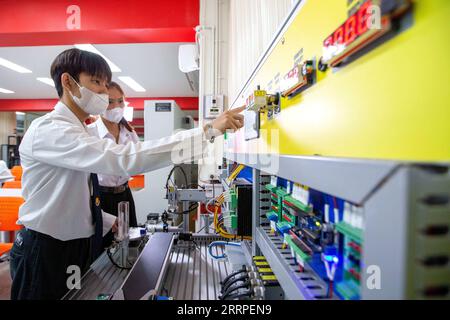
(112, 125)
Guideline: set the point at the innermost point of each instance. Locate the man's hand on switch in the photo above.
(229, 120)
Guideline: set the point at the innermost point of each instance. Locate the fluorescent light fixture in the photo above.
(46, 81)
(14, 67)
(129, 81)
(91, 48)
(18, 113)
(6, 91)
(128, 113)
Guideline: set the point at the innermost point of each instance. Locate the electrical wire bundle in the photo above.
(171, 173)
(240, 285)
(219, 201)
(219, 221)
(237, 273)
(235, 173)
(238, 291)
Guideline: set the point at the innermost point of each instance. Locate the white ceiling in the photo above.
(153, 65)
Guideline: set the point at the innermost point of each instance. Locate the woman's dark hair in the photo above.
(116, 86)
(74, 62)
(124, 122)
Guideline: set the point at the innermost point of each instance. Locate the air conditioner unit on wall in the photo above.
(188, 62)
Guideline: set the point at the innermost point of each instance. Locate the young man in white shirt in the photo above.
(61, 216)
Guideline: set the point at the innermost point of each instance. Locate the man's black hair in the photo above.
(74, 62)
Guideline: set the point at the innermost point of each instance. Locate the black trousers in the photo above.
(109, 203)
(42, 267)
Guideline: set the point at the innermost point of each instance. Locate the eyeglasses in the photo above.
(119, 101)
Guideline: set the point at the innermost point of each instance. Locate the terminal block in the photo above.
(349, 287)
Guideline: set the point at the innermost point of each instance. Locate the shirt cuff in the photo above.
(199, 132)
(200, 150)
(108, 221)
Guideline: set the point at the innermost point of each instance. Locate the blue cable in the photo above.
(224, 243)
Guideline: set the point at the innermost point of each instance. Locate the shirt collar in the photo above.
(64, 110)
(103, 130)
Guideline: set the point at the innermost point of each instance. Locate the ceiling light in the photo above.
(46, 81)
(129, 81)
(18, 113)
(15, 67)
(6, 91)
(91, 48)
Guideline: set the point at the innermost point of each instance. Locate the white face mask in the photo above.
(91, 102)
(114, 115)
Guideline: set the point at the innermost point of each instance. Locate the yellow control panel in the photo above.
(348, 89)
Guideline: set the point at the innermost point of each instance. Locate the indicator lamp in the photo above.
(330, 258)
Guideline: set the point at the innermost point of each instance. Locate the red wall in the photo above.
(45, 22)
(185, 103)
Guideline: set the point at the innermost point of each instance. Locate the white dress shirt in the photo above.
(58, 155)
(99, 129)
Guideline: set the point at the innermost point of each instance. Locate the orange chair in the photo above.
(5, 248)
(9, 213)
(137, 182)
(12, 185)
(16, 171)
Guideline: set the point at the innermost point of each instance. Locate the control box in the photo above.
(213, 106)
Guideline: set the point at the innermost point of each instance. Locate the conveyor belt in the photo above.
(192, 274)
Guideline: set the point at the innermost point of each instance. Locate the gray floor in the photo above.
(5, 281)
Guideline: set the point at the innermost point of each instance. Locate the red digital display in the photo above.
(298, 78)
(352, 29)
(361, 29)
